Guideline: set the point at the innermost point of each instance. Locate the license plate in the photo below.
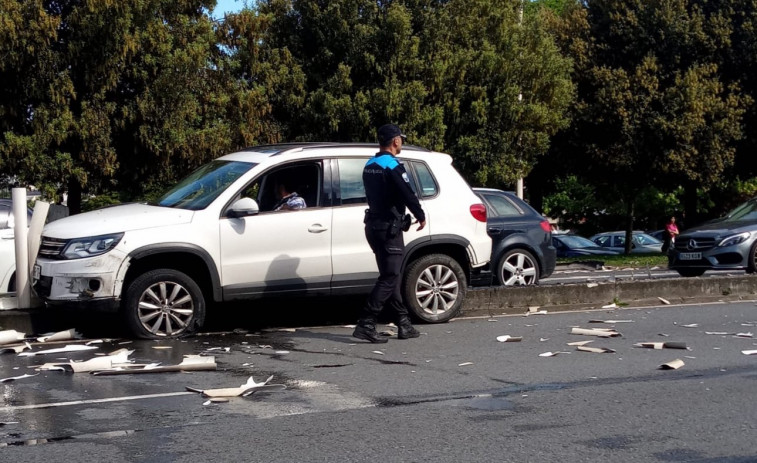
(36, 272)
(690, 255)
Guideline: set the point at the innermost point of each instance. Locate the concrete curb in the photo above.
(638, 293)
(511, 300)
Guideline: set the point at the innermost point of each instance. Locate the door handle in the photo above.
(317, 228)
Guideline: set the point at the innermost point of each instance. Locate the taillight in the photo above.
(545, 226)
(478, 211)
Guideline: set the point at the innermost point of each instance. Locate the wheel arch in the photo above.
(452, 245)
(517, 243)
(190, 259)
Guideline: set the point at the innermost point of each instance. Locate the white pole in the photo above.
(23, 290)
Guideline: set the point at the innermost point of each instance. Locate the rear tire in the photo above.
(163, 303)
(434, 287)
(518, 267)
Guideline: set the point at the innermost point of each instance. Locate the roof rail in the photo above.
(280, 148)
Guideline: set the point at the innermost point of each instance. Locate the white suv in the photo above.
(214, 237)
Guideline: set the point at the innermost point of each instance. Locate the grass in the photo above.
(632, 260)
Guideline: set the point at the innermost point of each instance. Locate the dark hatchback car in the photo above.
(522, 251)
(728, 243)
(578, 246)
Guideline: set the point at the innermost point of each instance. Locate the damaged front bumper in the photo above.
(91, 282)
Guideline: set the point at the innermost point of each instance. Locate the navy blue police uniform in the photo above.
(387, 188)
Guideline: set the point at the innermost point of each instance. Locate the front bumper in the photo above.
(726, 257)
(79, 282)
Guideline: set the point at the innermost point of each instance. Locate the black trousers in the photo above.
(388, 250)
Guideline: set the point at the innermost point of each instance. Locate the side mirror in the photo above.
(243, 207)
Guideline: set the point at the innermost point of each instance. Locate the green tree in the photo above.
(118, 95)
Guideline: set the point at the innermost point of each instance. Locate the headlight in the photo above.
(735, 239)
(90, 246)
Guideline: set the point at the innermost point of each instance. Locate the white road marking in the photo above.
(11, 408)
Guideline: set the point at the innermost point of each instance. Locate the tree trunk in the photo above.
(629, 226)
(74, 196)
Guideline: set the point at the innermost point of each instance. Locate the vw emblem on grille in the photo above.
(692, 245)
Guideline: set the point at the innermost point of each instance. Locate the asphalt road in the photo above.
(455, 394)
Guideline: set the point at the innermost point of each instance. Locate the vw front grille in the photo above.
(51, 247)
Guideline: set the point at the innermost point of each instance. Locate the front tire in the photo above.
(518, 267)
(751, 266)
(163, 303)
(434, 288)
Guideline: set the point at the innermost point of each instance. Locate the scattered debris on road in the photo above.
(552, 354)
(663, 300)
(14, 378)
(190, 363)
(601, 332)
(596, 350)
(244, 390)
(117, 359)
(579, 343)
(65, 335)
(672, 365)
(58, 350)
(11, 336)
(508, 338)
(662, 345)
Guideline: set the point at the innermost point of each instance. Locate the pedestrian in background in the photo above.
(388, 191)
(671, 231)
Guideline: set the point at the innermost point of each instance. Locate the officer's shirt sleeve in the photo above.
(402, 181)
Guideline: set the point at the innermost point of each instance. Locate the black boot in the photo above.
(366, 329)
(405, 329)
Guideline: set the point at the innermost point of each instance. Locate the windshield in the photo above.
(577, 242)
(746, 211)
(204, 185)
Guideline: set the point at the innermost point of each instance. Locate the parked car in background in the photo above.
(657, 234)
(576, 246)
(522, 251)
(616, 241)
(728, 243)
(7, 246)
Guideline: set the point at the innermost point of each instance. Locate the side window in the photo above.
(603, 241)
(351, 188)
(620, 241)
(425, 180)
(305, 179)
(502, 206)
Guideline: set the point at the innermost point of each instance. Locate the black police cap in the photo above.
(386, 134)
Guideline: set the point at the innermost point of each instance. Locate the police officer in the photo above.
(387, 188)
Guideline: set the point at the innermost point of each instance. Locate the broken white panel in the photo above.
(117, 359)
(718, 333)
(691, 325)
(67, 348)
(664, 301)
(610, 306)
(508, 338)
(596, 350)
(611, 321)
(662, 345)
(6, 380)
(601, 332)
(64, 335)
(592, 285)
(464, 364)
(190, 363)
(16, 349)
(9, 336)
(744, 335)
(552, 354)
(672, 365)
(244, 390)
(749, 352)
(579, 343)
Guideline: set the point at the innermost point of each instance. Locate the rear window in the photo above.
(501, 206)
